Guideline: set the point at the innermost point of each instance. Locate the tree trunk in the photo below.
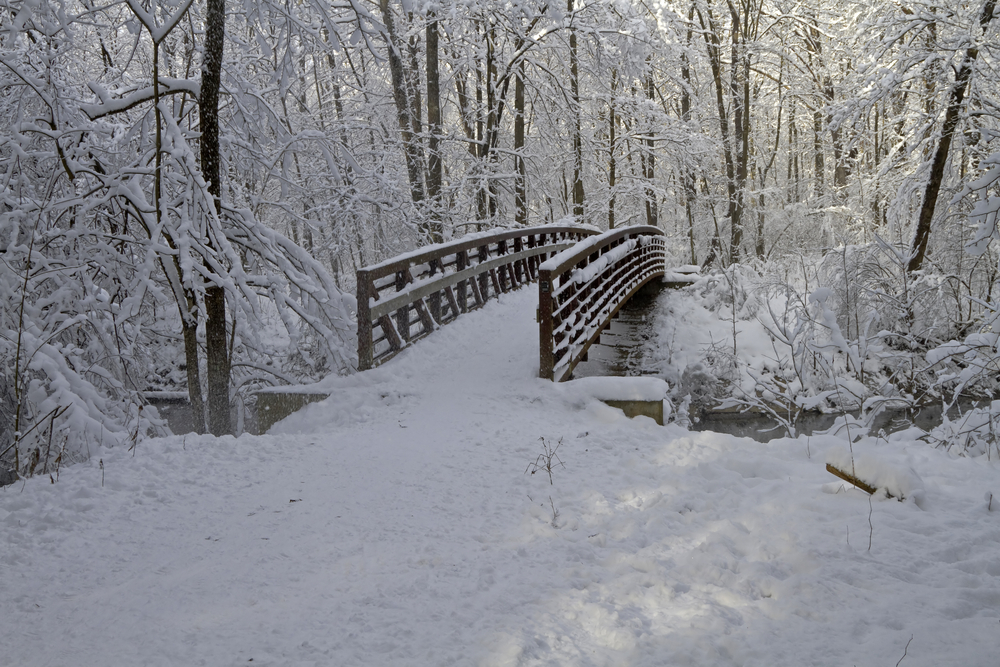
(189, 328)
(520, 172)
(713, 46)
(493, 114)
(688, 86)
(412, 150)
(435, 176)
(819, 159)
(792, 177)
(612, 164)
(577, 139)
(482, 204)
(652, 215)
(759, 248)
(740, 87)
(878, 211)
(216, 350)
(841, 168)
(473, 131)
(956, 97)
(766, 169)
(412, 73)
(187, 305)
(348, 177)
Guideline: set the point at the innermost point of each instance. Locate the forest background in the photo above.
(188, 187)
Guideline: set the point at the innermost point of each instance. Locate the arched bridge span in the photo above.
(584, 278)
(581, 289)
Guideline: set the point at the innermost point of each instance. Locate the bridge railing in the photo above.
(581, 289)
(405, 298)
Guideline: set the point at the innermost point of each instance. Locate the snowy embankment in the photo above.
(394, 524)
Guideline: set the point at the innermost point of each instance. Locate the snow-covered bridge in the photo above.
(584, 278)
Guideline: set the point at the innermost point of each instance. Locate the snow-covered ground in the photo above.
(395, 524)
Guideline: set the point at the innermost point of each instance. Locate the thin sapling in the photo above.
(547, 460)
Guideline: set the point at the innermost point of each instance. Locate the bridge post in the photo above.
(366, 290)
(546, 358)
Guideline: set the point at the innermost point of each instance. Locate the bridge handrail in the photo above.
(441, 281)
(582, 288)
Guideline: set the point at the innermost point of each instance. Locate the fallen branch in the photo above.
(847, 477)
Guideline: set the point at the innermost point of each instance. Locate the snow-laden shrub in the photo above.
(969, 363)
(71, 344)
(794, 343)
(915, 311)
(700, 385)
(975, 433)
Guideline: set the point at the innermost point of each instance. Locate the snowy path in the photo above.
(415, 538)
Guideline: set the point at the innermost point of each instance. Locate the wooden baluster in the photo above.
(452, 302)
(461, 263)
(476, 292)
(502, 250)
(532, 262)
(434, 299)
(484, 256)
(403, 278)
(390, 333)
(424, 316)
(496, 283)
(519, 273)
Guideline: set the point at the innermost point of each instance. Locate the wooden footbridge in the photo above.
(584, 278)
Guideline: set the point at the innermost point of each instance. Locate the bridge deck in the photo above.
(622, 350)
(620, 354)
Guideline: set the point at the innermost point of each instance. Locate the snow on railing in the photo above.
(404, 298)
(583, 287)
